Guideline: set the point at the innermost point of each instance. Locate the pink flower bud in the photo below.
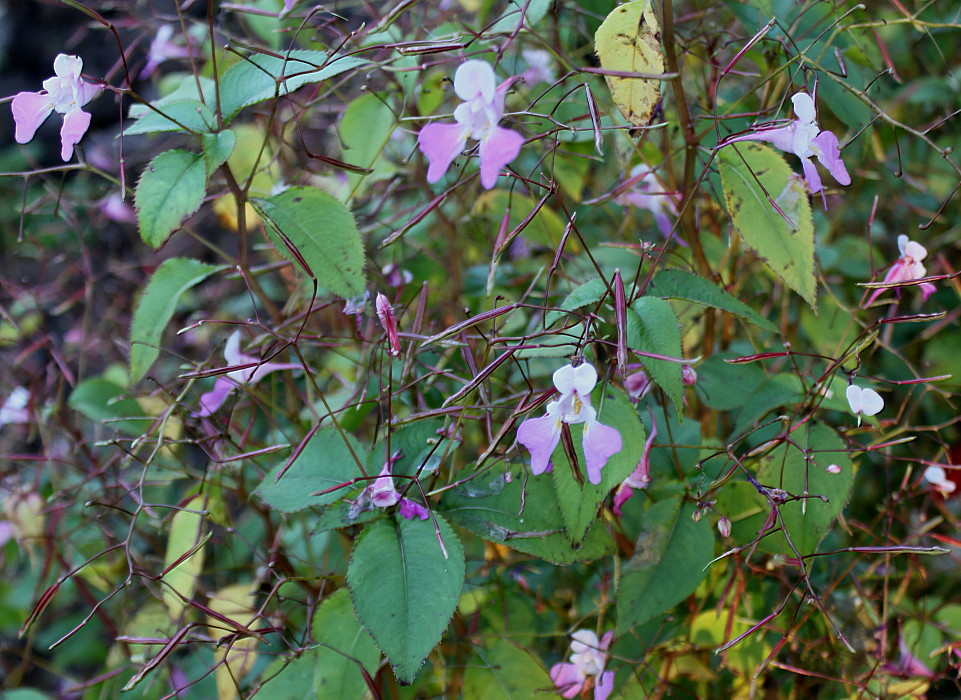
(387, 319)
(833, 469)
(637, 385)
(688, 375)
(724, 527)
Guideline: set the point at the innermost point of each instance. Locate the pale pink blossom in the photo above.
(250, 371)
(16, 407)
(907, 268)
(804, 138)
(644, 191)
(163, 48)
(381, 493)
(476, 118)
(65, 93)
(640, 478)
(541, 435)
(540, 66)
(938, 478)
(587, 662)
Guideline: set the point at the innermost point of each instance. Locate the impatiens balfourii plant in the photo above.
(805, 139)
(541, 435)
(476, 118)
(66, 93)
(586, 667)
(907, 268)
(409, 506)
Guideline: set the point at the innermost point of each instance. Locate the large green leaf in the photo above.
(192, 114)
(170, 190)
(579, 502)
(521, 512)
(186, 536)
(99, 400)
(504, 671)
(322, 232)
(807, 521)
(405, 587)
(786, 248)
(326, 461)
(217, 149)
(652, 327)
(681, 284)
(336, 627)
(670, 556)
(157, 304)
(588, 293)
(365, 130)
(262, 77)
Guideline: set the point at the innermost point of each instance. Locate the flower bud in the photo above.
(688, 375)
(724, 526)
(833, 469)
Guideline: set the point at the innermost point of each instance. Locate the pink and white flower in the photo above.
(588, 659)
(804, 138)
(644, 191)
(65, 93)
(938, 478)
(541, 435)
(907, 268)
(477, 118)
(640, 478)
(387, 319)
(16, 407)
(251, 370)
(382, 494)
(163, 48)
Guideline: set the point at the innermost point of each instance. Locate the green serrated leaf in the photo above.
(99, 400)
(588, 293)
(500, 510)
(504, 671)
(325, 462)
(157, 304)
(786, 248)
(323, 233)
(264, 77)
(681, 284)
(786, 468)
(404, 588)
(579, 502)
(346, 644)
(171, 189)
(217, 149)
(653, 327)
(670, 556)
(192, 114)
(365, 130)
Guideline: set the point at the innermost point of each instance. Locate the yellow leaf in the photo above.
(629, 41)
(238, 654)
(186, 536)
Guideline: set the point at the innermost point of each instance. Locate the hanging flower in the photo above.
(588, 659)
(804, 138)
(645, 191)
(937, 476)
(541, 435)
(640, 477)
(15, 409)
(64, 93)
(866, 401)
(382, 494)
(476, 118)
(906, 268)
(163, 48)
(387, 319)
(224, 386)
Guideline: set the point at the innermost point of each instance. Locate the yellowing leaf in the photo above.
(238, 656)
(629, 40)
(186, 537)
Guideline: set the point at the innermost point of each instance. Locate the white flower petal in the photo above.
(804, 108)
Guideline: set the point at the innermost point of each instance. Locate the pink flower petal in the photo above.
(441, 143)
(540, 436)
(621, 496)
(30, 109)
(410, 510)
(497, 149)
(568, 679)
(600, 443)
(927, 289)
(829, 154)
(211, 401)
(75, 124)
(604, 685)
(811, 175)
